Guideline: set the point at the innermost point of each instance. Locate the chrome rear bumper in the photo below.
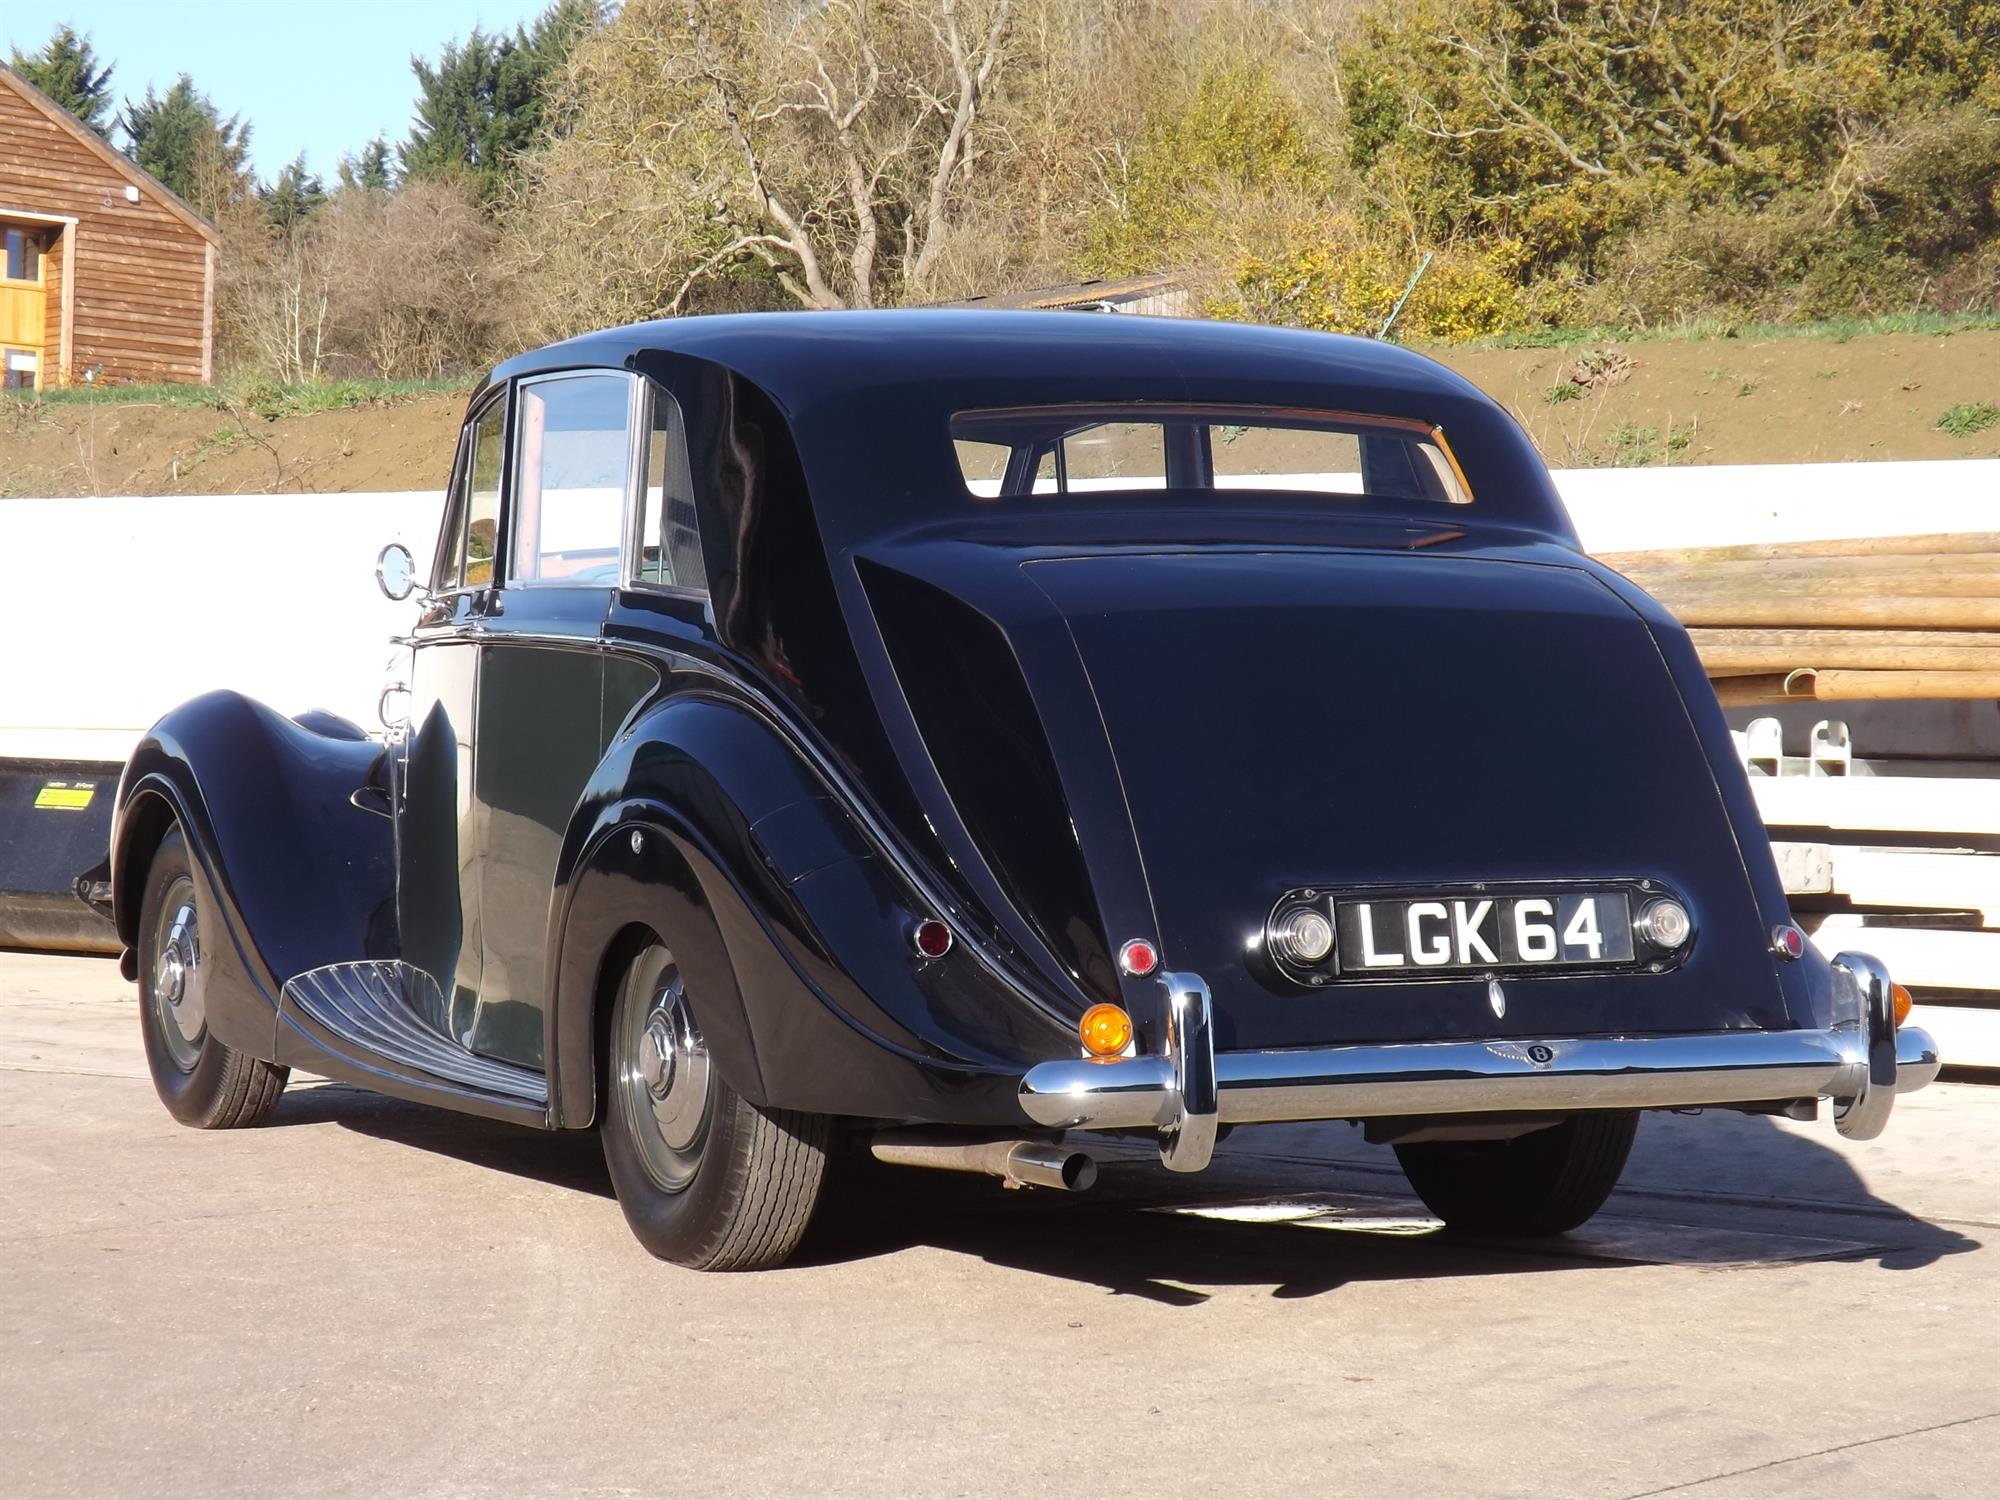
(1861, 1062)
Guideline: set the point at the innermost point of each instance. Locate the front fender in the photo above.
(293, 872)
(791, 929)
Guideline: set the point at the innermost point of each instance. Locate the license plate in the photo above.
(1442, 934)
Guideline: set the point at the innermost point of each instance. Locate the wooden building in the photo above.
(107, 276)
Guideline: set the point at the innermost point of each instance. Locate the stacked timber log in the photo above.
(1870, 617)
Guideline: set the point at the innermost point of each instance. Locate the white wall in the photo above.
(1631, 510)
(114, 610)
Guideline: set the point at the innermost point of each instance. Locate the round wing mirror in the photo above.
(396, 571)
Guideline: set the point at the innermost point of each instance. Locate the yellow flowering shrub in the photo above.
(1334, 277)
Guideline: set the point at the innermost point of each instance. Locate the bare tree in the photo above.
(854, 124)
(276, 289)
(718, 152)
(400, 285)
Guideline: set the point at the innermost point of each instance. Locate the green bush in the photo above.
(1768, 158)
(1236, 136)
(1968, 418)
(1335, 276)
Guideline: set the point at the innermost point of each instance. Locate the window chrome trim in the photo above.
(639, 441)
(461, 471)
(510, 508)
(1086, 414)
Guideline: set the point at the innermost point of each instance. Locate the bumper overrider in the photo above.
(1860, 1062)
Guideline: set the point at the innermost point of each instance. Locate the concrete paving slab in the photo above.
(368, 1298)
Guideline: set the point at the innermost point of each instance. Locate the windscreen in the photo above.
(1071, 450)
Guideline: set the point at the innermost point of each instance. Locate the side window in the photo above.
(1113, 456)
(669, 535)
(465, 551)
(572, 468)
(482, 501)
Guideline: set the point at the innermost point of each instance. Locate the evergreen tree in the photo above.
(290, 200)
(67, 70)
(369, 169)
(181, 138)
(482, 105)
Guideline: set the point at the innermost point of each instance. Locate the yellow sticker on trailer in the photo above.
(69, 795)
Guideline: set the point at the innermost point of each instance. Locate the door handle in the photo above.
(382, 705)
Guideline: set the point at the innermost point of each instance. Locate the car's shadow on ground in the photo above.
(1299, 1223)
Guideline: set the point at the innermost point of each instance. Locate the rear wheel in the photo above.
(201, 1081)
(706, 1179)
(1546, 1182)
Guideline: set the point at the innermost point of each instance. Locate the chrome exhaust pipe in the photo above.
(1017, 1163)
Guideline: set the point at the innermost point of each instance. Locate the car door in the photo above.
(438, 899)
(549, 698)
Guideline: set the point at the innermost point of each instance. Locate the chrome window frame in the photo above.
(635, 475)
(1097, 413)
(452, 524)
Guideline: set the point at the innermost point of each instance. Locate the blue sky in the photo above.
(319, 76)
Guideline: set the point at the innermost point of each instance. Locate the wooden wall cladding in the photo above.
(137, 304)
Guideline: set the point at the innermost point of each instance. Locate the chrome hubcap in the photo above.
(663, 1087)
(180, 1012)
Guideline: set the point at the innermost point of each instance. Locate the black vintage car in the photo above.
(954, 733)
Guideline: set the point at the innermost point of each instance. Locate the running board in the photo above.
(380, 1018)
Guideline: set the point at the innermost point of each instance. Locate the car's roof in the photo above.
(794, 354)
(869, 395)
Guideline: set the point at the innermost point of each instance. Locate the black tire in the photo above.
(1546, 1182)
(202, 1081)
(739, 1191)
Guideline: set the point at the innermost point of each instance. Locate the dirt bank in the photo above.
(1791, 400)
(1734, 401)
(142, 448)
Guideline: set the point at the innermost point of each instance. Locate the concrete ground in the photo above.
(368, 1298)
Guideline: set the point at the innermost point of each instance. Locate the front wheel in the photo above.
(201, 1081)
(706, 1178)
(1546, 1182)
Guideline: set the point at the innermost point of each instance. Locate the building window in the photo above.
(17, 371)
(24, 254)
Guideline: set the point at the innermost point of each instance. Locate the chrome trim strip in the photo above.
(851, 799)
(1187, 1124)
(745, 693)
(1437, 1078)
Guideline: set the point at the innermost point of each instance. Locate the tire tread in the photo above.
(784, 1162)
(228, 1090)
(757, 1187)
(1544, 1183)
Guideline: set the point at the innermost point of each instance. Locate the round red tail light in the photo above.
(1138, 957)
(931, 938)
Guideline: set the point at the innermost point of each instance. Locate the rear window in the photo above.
(1071, 450)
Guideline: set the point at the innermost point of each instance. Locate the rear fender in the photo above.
(705, 827)
(293, 873)
(1807, 984)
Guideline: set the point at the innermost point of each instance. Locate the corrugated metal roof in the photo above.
(1080, 293)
